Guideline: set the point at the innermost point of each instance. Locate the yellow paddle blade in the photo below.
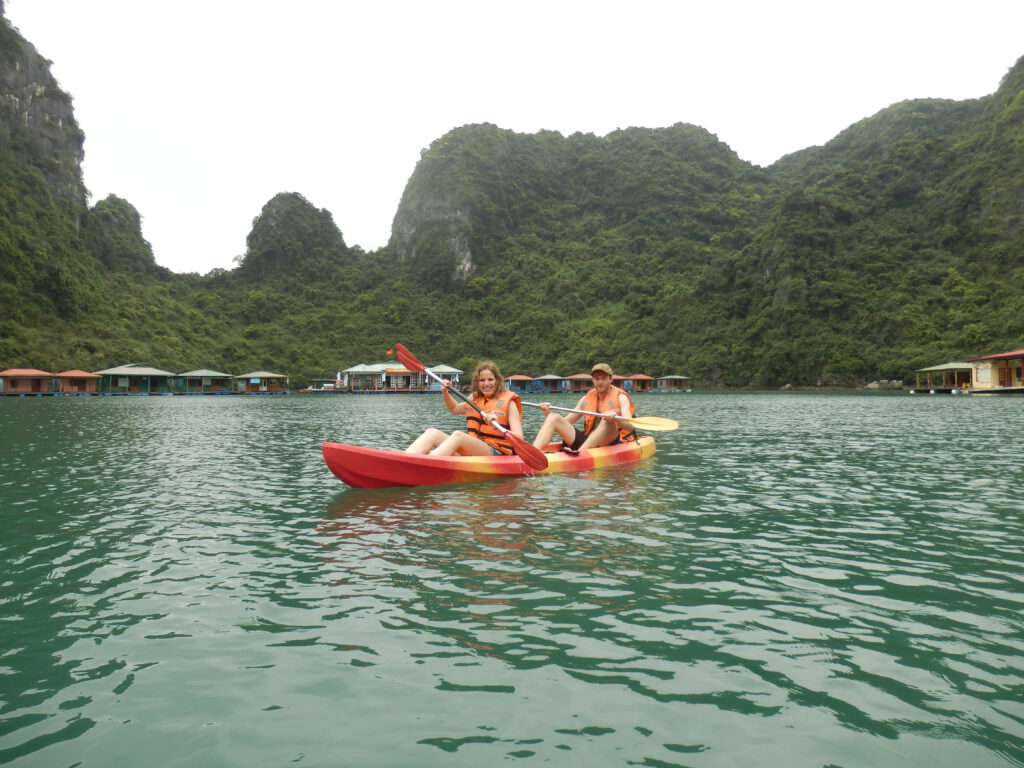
(653, 423)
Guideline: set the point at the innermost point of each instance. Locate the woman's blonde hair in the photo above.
(486, 365)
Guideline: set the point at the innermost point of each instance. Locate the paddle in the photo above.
(532, 457)
(647, 423)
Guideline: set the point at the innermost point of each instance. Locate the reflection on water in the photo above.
(835, 577)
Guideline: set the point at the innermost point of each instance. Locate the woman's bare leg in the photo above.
(463, 444)
(429, 440)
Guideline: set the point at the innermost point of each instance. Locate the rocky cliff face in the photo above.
(479, 187)
(37, 122)
(426, 222)
(472, 188)
(433, 221)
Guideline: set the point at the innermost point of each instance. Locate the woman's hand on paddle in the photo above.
(449, 401)
(545, 408)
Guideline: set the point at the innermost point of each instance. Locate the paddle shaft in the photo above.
(575, 410)
(647, 423)
(462, 397)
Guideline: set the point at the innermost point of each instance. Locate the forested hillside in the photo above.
(896, 245)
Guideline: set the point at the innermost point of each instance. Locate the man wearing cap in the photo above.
(605, 398)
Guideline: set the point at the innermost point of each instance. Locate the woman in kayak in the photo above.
(481, 437)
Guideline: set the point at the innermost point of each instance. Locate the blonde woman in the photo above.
(481, 438)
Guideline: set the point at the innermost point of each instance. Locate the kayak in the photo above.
(376, 468)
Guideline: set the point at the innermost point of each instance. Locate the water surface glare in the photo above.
(793, 580)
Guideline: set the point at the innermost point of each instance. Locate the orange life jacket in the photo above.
(484, 430)
(610, 402)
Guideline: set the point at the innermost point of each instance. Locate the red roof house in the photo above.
(77, 382)
(25, 381)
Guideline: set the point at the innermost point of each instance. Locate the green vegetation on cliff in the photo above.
(896, 245)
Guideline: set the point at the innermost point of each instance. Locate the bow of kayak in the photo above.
(362, 467)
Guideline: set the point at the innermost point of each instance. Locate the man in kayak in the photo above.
(605, 398)
(481, 437)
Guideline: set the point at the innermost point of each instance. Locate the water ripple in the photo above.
(838, 577)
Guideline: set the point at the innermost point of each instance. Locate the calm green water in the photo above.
(794, 580)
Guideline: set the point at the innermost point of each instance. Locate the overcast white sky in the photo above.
(199, 111)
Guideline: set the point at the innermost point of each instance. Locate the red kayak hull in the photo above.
(375, 468)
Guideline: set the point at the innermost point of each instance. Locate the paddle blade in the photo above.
(408, 359)
(531, 456)
(654, 424)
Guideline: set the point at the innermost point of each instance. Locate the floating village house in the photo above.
(25, 381)
(261, 383)
(519, 383)
(363, 377)
(76, 383)
(580, 382)
(1002, 373)
(638, 382)
(332, 384)
(204, 382)
(445, 372)
(673, 383)
(134, 379)
(944, 378)
(400, 379)
(550, 383)
(382, 378)
(998, 374)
